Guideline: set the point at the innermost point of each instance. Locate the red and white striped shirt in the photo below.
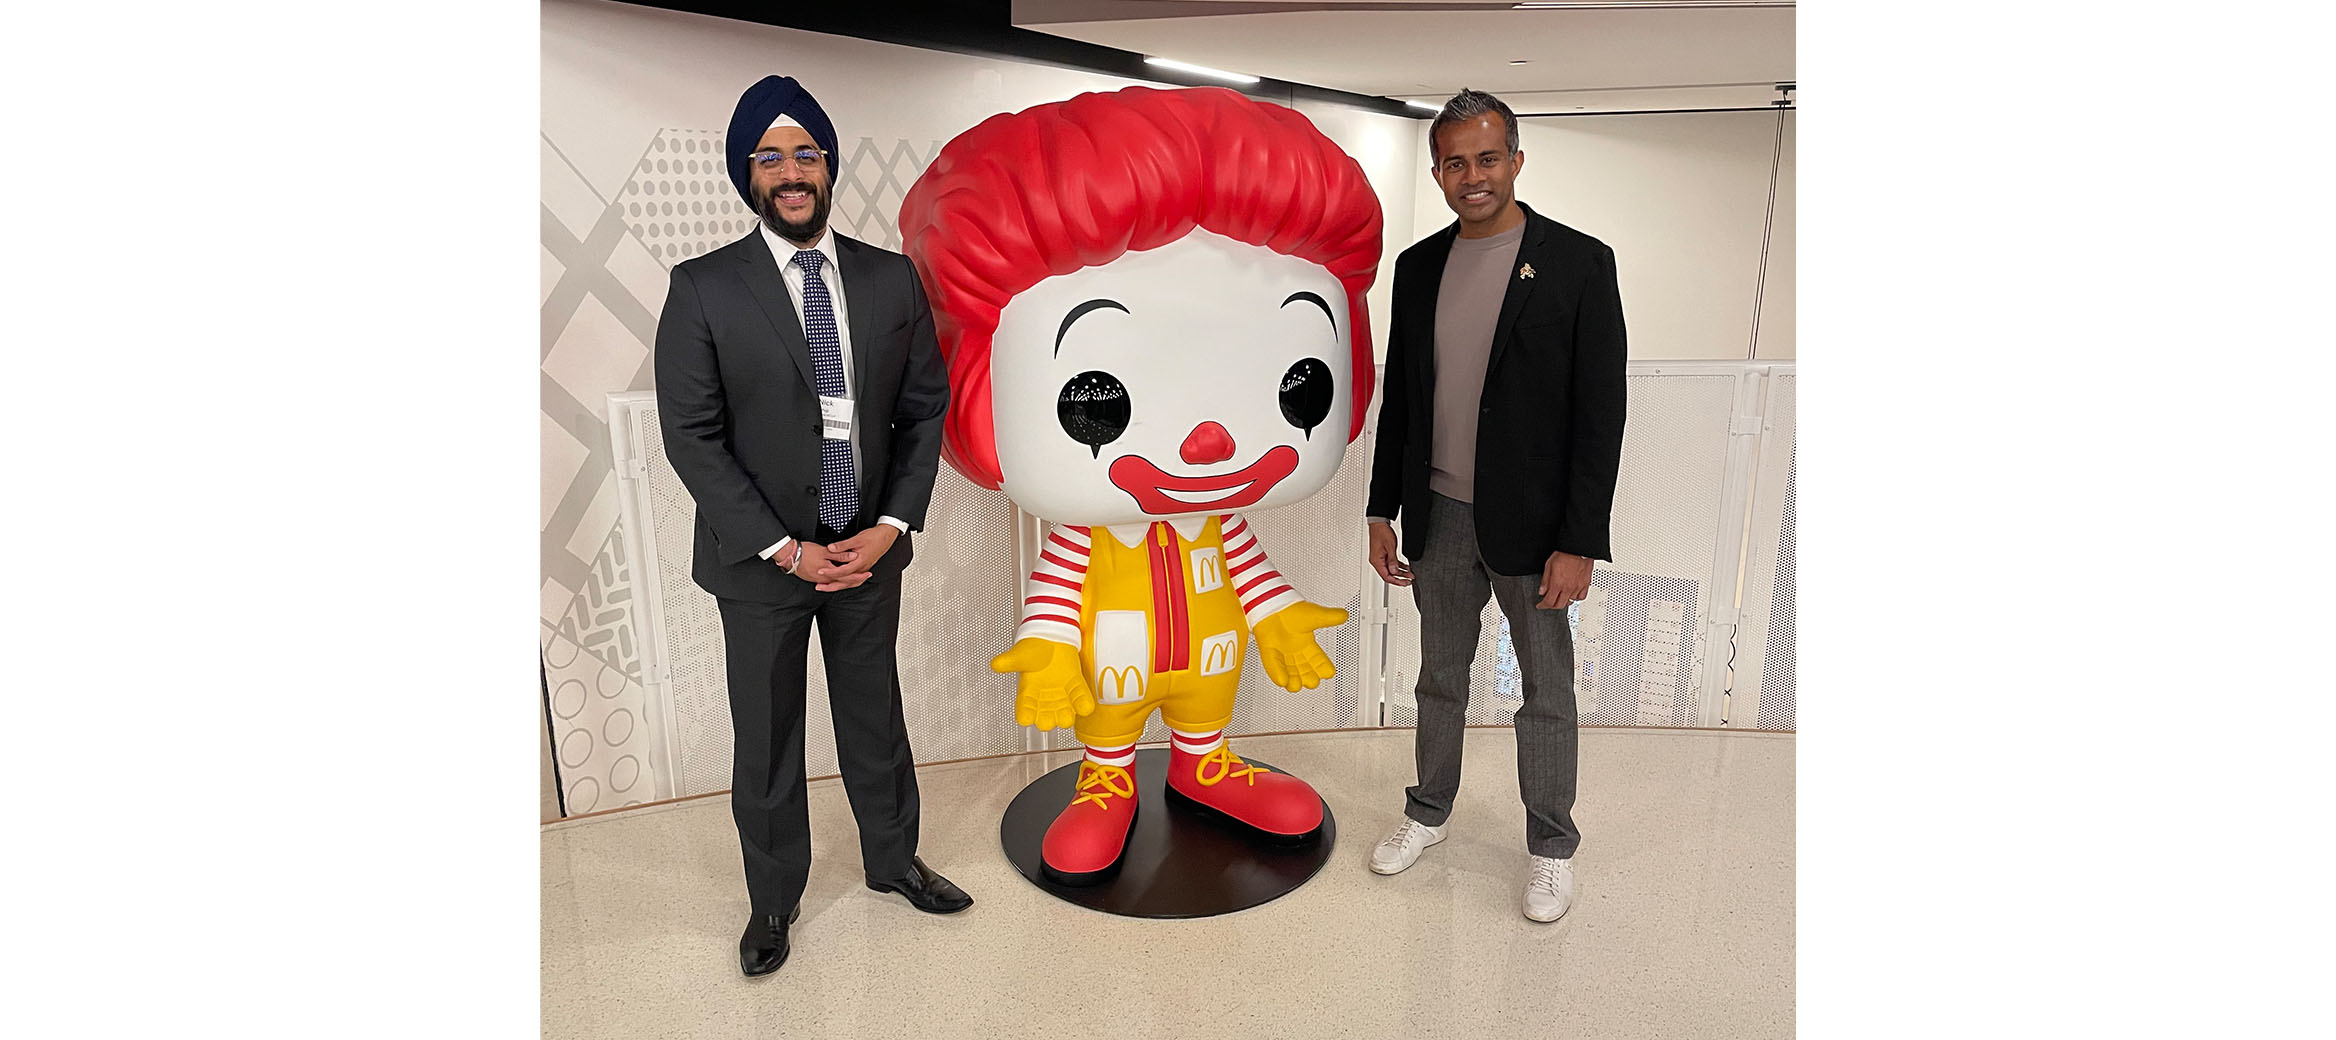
(1056, 587)
(1052, 596)
(1262, 589)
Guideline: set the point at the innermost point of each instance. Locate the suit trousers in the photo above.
(767, 648)
(1450, 583)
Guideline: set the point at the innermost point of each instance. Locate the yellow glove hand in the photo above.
(1286, 646)
(1053, 689)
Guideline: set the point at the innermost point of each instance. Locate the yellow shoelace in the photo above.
(1225, 761)
(1105, 782)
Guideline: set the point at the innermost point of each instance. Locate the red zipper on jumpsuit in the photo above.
(1171, 649)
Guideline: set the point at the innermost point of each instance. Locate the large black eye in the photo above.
(1306, 394)
(1093, 409)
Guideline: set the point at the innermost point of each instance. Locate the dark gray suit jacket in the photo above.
(739, 407)
(1549, 436)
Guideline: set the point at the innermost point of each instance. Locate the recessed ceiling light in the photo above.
(1201, 70)
(1424, 106)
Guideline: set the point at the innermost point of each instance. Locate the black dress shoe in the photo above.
(764, 946)
(926, 890)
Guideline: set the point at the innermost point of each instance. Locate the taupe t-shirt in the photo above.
(1468, 305)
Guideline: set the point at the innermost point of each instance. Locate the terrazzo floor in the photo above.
(1682, 925)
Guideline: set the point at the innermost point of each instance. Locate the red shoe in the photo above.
(1084, 844)
(1281, 807)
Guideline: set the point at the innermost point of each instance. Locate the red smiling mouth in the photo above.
(1160, 494)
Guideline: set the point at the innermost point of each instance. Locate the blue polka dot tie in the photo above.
(839, 496)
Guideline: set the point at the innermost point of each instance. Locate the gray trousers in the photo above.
(1450, 583)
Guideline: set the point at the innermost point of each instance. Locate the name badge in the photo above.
(835, 418)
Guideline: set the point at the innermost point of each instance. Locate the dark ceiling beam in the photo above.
(985, 28)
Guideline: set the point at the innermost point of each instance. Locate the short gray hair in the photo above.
(1466, 106)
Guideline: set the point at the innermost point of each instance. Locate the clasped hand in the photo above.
(844, 564)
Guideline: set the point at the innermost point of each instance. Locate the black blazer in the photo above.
(740, 409)
(1549, 440)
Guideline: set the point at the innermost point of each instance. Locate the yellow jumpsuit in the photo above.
(1164, 629)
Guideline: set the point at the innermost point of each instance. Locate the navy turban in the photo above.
(762, 103)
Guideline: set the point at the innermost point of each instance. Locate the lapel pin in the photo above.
(1525, 271)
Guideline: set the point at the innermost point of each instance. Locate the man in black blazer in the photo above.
(801, 393)
(1500, 431)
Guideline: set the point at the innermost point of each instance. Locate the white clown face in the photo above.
(1205, 376)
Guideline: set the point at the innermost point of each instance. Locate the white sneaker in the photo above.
(1402, 848)
(1550, 892)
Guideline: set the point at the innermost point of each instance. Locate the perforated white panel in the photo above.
(958, 605)
(1319, 545)
(1674, 456)
(1776, 671)
(1762, 694)
(691, 647)
(1665, 522)
(960, 602)
(1610, 658)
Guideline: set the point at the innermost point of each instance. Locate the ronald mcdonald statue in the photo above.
(1151, 303)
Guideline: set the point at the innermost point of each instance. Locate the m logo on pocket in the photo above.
(1119, 685)
(1208, 569)
(1220, 653)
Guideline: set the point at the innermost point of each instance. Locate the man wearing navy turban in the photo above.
(779, 101)
(801, 393)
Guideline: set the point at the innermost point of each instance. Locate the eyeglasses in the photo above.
(804, 157)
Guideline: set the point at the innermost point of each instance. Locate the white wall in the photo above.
(1387, 148)
(1682, 199)
(1776, 301)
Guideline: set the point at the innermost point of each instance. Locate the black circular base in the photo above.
(1180, 861)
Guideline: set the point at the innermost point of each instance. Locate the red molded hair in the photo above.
(1047, 191)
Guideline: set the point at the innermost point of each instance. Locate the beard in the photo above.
(805, 231)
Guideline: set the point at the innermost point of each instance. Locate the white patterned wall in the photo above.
(633, 183)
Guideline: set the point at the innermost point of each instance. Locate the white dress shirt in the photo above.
(830, 275)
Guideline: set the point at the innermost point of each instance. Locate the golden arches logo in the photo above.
(1208, 570)
(1112, 685)
(1216, 653)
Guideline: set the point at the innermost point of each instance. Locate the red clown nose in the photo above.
(1207, 443)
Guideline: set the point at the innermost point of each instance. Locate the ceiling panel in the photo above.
(1431, 50)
